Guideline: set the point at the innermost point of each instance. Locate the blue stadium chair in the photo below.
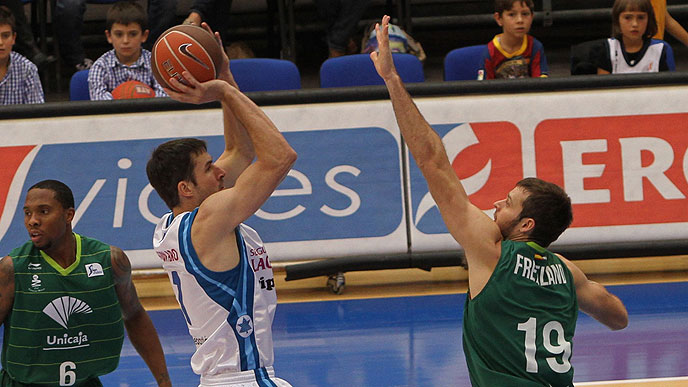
(358, 70)
(462, 64)
(670, 58)
(264, 74)
(78, 86)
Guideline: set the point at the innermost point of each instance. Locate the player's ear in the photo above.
(184, 189)
(69, 215)
(498, 18)
(144, 35)
(526, 225)
(108, 36)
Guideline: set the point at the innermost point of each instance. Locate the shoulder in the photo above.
(537, 45)
(20, 62)
(109, 59)
(22, 251)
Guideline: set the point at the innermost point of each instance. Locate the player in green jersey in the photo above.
(523, 300)
(65, 300)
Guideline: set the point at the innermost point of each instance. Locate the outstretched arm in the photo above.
(475, 231)
(596, 301)
(137, 322)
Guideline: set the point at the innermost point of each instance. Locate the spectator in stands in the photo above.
(126, 30)
(25, 43)
(342, 17)
(69, 16)
(162, 14)
(632, 49)
(513, 53)
(668, 23)
(214, 12)
(19, 81)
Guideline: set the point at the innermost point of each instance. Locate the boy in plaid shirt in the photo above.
(19, 80)
(126, 30)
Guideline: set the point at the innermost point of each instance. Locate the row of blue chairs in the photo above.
(264, 74)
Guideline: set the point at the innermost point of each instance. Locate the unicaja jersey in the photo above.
(65, 327)
(518, 330)
(229, 314)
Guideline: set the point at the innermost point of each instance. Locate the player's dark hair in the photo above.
(550, 207)
(633, 6)
(63, 194)
(172, 162)
(126, 12)
(7, 17)
(505, 5)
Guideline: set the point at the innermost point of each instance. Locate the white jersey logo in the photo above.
(60, 309)
(244, 326)
(94, 269)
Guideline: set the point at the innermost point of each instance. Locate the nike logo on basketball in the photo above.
(183, 49)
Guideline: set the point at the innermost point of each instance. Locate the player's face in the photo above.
(45, 219)
(209, 177)
(633, 25)
(127, 40)
(507, 211)
(516, 21)
(7, 38)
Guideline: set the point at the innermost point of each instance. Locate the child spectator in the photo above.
(632, 49)
(513, 53)
(126, 31)
(19, 81)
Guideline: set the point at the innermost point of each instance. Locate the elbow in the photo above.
(288, 158)
(619, 323)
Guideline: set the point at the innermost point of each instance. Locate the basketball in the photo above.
(185, 48)
(132, 89)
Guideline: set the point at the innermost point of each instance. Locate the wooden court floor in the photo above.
(403, 328)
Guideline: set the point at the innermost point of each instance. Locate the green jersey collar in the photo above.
(56, 266)
(536, 246)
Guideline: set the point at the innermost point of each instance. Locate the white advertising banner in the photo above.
(620, 154)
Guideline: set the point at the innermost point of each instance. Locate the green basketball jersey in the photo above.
(518, 330)
(65, 327)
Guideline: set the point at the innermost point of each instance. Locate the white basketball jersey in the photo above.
(229, 314)
(649, 63)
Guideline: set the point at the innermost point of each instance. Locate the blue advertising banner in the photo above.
(327, 196)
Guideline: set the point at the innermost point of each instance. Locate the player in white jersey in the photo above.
(218, 266)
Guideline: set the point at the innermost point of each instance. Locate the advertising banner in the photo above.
(620, 154)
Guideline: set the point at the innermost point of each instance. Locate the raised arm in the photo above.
(238, 153)
(6, 287)
(596, 301)
(224, 210)
(139, 326)
(471, 227)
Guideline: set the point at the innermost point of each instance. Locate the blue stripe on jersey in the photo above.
(263, 379)
(248, 349)
(212, 283)
(219, 286)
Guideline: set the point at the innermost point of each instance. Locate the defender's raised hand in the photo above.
(383, 59)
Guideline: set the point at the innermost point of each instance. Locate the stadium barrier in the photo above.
(617, 144)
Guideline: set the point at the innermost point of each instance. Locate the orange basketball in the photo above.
(132, 89)
(185, 48)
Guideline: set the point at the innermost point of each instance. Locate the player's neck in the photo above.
(63, 251)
